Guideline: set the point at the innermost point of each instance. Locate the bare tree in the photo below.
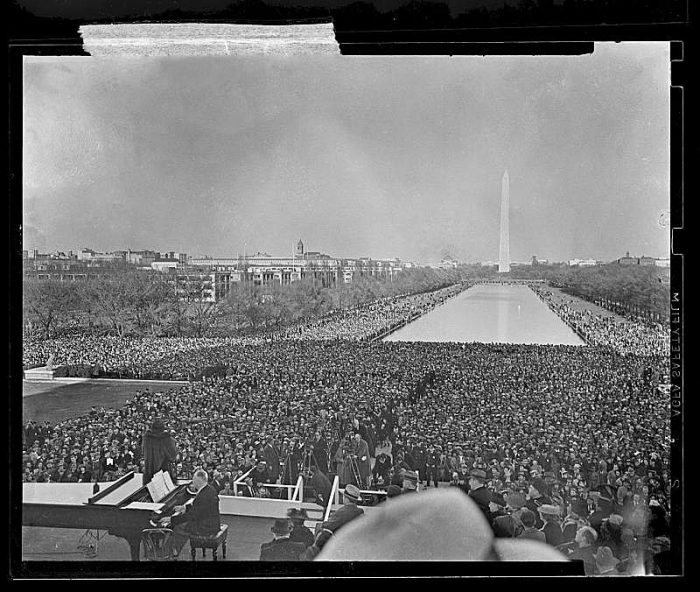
(48, 302)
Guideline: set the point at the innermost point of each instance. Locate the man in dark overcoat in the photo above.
(280, 548)
(479, 492)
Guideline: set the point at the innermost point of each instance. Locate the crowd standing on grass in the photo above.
(562, 442)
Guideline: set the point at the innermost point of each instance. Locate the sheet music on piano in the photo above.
(169, 482)
(160, 486)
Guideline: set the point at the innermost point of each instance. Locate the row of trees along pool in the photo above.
(129, 302)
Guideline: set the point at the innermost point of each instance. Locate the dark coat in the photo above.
(202, 516)
(553, 534)
(321, 485)
(482, 497)
(361, 451)
(321, 454)
(260, 475)
(533, 505)
(342, 516)
(302, 534)
(159, 453)
(533, 534)
(272, 458)
(281, 550)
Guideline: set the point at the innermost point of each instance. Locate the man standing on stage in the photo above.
(361, 454)
(272, 458)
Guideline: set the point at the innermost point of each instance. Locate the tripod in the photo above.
(308, 458)
(356, 475)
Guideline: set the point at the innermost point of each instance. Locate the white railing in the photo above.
(298, 495)
(331, 498)
(241, 480)
(294, 492)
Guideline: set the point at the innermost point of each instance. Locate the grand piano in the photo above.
(124, 508)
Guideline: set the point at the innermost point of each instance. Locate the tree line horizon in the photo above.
(147, 304)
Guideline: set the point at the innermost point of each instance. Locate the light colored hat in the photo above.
(352, 492)
(549, 510)
(443, 524)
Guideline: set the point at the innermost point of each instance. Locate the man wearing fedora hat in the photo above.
(478, 491)
(349, 511)
(280, 548)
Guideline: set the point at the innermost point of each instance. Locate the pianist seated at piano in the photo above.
(198, 516)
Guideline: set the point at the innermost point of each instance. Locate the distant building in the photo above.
(627, 260)
(263, 269)
(94, 257)
(662, 262)
(214, 277)
(141, 258)
(448, 263)
(643, 260)
(181, 257)
(164, 265)
(582, 262)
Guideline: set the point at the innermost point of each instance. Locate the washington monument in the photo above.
(504, 252)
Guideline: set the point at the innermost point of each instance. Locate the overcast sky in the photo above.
(358, 156)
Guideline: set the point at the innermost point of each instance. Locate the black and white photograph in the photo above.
(294, 308)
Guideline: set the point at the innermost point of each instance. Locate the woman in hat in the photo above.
(159, 451)
(550, 515)
(576, 518)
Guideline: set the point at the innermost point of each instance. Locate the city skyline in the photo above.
(378, 157)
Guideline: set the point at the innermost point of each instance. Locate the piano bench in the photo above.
(213, 542)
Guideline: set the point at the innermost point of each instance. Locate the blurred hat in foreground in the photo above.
(443, 524)
(352, 492)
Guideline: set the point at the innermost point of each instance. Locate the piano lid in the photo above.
(77, 494)
(122, 492)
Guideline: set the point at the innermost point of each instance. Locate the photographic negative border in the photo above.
(503, 41)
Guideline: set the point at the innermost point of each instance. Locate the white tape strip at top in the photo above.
(208, 39)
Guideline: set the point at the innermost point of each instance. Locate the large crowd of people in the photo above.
(187, 358)
(372, 320)
(624, 335)
(579, 435)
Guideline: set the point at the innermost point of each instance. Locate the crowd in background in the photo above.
(623, 334)
(186, 358)
(373, 320)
